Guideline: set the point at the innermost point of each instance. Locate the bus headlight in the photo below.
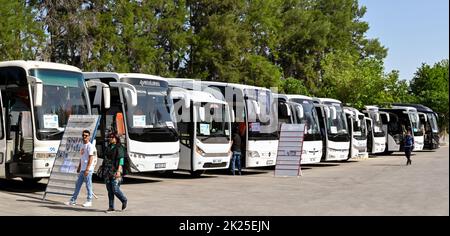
(253, 154)
(200, 151)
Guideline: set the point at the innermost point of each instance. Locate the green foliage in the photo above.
(317, 48)
(20, 34)
(430, 88)
(293, 86)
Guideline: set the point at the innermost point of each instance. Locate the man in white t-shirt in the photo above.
(85, 170)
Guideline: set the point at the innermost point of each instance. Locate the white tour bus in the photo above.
(299, 109)
(429, 120)
(37, 99)
(358, 126)
(141, 111)
(255, 112)
(334, 129)
(402, 119)
(376, 139)
(204, 127)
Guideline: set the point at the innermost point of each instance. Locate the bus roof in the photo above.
(118, 76)
(322, 100)
(234, 85)
(196, 96)
(39, 65)
(419, 107)
(298, 96)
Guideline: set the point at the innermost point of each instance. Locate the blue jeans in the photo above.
(113, 187)
(236, 160)
(80, 180)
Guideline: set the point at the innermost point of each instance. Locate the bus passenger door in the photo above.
(2, 141)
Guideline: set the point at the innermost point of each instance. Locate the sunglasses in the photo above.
(85, 135)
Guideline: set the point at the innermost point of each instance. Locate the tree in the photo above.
(430, 88)
(20, 34)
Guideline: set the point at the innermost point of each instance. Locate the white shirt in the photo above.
(88, 150)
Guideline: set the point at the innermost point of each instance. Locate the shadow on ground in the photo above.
(13, 185)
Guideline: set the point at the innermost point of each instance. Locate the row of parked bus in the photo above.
(170, 123)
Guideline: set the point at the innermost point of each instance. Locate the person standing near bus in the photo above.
(85, 170)
(236, 149)
(409, 145)
(113, 169)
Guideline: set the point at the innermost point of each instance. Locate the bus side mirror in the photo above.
(233, 119)
(327, 112)
(300, 111)
(38, 90)
(102, 90)
(256, 106)
(187, 100)
(129, 91)
(288, 109)
(333, 113)
(201, 112)
(106, 98)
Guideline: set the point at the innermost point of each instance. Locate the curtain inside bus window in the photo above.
(120, 125)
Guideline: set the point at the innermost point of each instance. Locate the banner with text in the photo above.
(290, 148)
(64, 172)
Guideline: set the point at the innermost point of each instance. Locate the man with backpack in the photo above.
(113, 170)
(409, 145)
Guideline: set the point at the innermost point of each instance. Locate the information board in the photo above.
(64, 172)
(290, 148)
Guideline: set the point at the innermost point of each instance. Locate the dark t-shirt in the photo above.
(236, 143)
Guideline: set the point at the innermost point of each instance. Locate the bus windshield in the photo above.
(261, 115)
(64, 94)
(337, 128)
(212, 122)
(377, 124)
(415, 122)
(310, 119)
(359, 128)
(152, 120)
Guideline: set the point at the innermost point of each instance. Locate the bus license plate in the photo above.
(269, 162)
(160, 165)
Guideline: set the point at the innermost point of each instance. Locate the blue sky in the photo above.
(414, 31)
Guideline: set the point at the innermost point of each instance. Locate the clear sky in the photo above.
(414, 31)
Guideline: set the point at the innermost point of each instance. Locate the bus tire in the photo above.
(31, 181)
(197, 173)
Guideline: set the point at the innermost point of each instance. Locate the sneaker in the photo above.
(124, 206)
(87, 204)
(109, 210)
(70, 203)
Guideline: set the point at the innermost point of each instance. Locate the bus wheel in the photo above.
(31, 181)
(197, 173)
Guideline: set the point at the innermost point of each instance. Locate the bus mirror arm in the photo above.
(38, 90)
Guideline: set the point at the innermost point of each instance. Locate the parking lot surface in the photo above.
(381, 185)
